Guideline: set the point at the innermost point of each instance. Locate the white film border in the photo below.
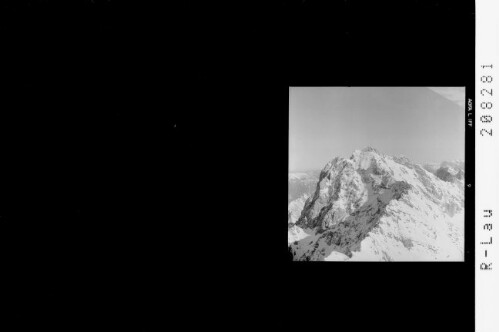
(486, 166)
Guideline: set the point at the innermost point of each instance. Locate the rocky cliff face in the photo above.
(377, 207)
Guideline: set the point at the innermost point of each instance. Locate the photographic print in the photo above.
(376, 173)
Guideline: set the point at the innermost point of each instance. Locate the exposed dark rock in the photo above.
(444, 174)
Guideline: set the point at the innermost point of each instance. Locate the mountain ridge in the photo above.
(361, 195)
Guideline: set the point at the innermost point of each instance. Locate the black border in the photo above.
(82, 245)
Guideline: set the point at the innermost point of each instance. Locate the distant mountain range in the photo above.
(375, 207)
(300, 183)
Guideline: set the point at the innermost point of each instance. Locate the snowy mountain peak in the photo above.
(456, 164)
(369, 149)
(366, 158)
(371, 192)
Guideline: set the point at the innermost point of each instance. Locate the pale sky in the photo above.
(424, 124)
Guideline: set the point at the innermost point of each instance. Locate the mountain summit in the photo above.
(377, 207)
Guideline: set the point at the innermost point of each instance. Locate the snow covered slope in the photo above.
(295, 234)
(382, 208)
(295, 208)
